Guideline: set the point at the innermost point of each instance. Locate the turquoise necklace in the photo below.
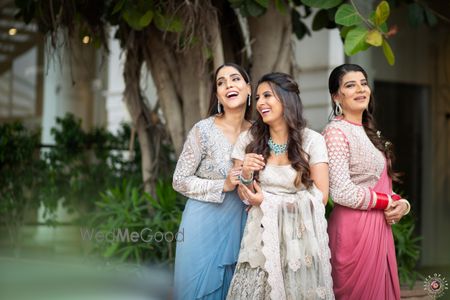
(277, 149)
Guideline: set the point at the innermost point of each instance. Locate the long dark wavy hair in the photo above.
(212, 110)
(287, 91)
(368, 120)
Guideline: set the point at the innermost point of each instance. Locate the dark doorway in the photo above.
(400, 112)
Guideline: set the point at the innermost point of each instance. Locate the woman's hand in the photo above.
(253, 198)
(395, 212)
(232, 179)
(252, 162)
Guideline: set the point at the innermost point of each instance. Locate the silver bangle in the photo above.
(246, 181)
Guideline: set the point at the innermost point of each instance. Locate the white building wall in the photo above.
(315, 57)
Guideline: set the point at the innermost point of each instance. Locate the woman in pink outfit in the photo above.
(360, 161)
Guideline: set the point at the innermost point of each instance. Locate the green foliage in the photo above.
(419, 13)
(320, 20)
(125, 208)
(355, 40)
(347, 15)
(407, 249)
(19, 176)
(71, 172)
(87, 171)
(329, 207)
(324, 4)
(388, 53)
(367, 32)
(82, 163)
(250, 8)
(374, 38)
(298, 26)
(382, 13)
(94, 18)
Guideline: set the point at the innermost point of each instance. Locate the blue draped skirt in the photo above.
(208, 248)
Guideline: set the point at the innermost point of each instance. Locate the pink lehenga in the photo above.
(363, 258)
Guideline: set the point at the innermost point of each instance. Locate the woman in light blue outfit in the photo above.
(214, 217)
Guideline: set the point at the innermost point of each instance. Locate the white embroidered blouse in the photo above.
(204, 163)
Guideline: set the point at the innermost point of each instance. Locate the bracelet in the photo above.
(246, 181)
(374, 199)
(407, 203)
(396, 197)
(382, 201)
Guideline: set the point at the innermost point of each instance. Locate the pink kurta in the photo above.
(361, 242)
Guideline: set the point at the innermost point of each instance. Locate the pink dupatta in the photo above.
(363, 259)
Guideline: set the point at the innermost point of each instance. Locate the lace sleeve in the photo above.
(342, 189)
(184, 179)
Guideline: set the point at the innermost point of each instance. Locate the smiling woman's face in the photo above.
(232, 90)
(354, 93)
(267, 104)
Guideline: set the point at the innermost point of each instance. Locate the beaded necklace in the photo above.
(277, 149)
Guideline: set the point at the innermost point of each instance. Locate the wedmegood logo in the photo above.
(435, 285)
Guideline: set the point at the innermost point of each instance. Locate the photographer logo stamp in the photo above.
(435, 285)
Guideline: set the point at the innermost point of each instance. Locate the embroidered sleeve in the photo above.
(184, 179)
(342, 189)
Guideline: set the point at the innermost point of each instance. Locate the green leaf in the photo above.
(111, 250)
(345, 30)
(374, 38)
(416, 14)
(280, 6)
(168, 23)
(388, 53)
(298, 27)
(145, 20)
(132, 17)
(322, 3)
(118, 6)
(381, 13)
(346, 15)
(430, 17)
(263, 3)
(254, 9)
(320, 20)
(355, 41)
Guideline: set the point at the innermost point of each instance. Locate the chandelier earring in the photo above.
(338, 109)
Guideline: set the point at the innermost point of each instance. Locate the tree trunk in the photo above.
(139, 112)
(182, 80)
(270, 43)
(164, 71)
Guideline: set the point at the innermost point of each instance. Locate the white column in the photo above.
(68, 87)
(115, 106)
(316, 56)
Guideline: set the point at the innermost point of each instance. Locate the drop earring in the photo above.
(249, 100)
(338, 109)
(219, 109)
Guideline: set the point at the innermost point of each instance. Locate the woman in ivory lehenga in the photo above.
(284, 251)
(361, 173)
(214, 217)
